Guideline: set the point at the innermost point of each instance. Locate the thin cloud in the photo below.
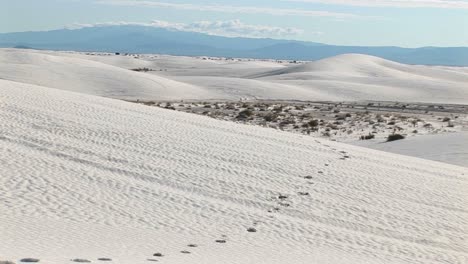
(230, 28)
(229, 9)
(453, 4)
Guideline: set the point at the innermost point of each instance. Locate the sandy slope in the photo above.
(450, 148)
(347, 77)
(88, 177)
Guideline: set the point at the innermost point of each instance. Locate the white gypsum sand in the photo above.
(450, 147)
(85, 177)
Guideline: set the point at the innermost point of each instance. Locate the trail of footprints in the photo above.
(282, 201)
(156, 257)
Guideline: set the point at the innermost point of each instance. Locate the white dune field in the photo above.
(85, 177)
(350, 77)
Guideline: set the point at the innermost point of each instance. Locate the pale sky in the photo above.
(410, 23)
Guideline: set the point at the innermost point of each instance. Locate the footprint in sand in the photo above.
(251, 230)
(30, 260)
(81, 260)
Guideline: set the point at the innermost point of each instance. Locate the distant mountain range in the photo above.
(142, 39)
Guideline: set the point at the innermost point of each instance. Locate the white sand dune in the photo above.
(358, 65)
(348, 77)
(87, 76)
(363, 77)
(88, 177)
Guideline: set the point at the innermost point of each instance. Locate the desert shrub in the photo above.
(142, 69)
(394, 137)
(340, 117)
(231, 106)
(299, 107)
(286, 122)
(367, 137)
(313, 123)
(391, 123)
(278, 109)
(244, 114)
(446, 119)
(270, 117)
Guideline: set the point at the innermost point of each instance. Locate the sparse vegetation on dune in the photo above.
(335, 121)
(142, 69)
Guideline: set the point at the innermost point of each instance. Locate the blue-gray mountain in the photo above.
(140, 39)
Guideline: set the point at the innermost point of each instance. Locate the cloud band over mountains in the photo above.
(230, 28)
